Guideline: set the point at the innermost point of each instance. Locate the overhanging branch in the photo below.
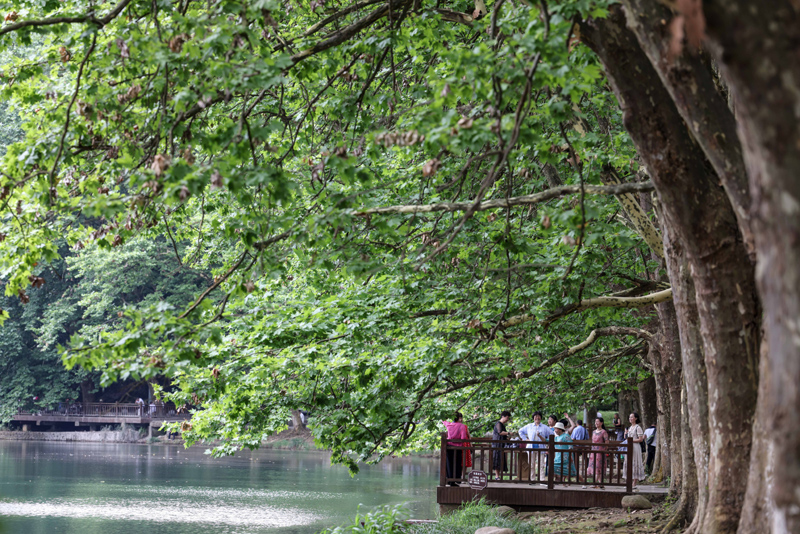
(52, 21)
(587, 304)
(593, 336)
(500, 203)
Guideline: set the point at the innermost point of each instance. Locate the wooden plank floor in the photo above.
(522, 496)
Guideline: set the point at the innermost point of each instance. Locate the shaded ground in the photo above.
(602, 520)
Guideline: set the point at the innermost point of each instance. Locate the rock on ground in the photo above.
(495, 530)
(505, 511)
(636, 502)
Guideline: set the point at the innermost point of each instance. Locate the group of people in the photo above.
(565, 431)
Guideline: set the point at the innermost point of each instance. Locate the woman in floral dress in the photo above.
(636, 435)
(597, 461)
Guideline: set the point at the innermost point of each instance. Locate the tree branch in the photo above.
(501, 203)
(641, 222)
(608, 301)
(451, 15)
(67, 20)
(346, 33)
(593, 336)
(69, 112)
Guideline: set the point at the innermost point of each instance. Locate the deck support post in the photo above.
(629, 467)
(551, 461)
(443, 461)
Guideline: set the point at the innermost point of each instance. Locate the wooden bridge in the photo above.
(101, 413)
(577, 474)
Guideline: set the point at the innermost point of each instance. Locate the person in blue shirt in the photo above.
(539, 432)
(579, 432)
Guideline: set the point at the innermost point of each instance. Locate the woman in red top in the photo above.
(456, 433)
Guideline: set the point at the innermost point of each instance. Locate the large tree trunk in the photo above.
(297, 420)
(662, 407)
(756, 45)
(624, 406)
(647, 402)
(758, 513)
(695, 384)
(87, 393)
(686, 508)
(670, 370)
(689, 79)
(700, 215)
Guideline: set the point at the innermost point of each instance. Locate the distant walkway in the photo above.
(82, 413)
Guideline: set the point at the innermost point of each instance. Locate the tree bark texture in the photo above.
(87, 395)
(699, 214)
(689, 79)
(670, 371)
(297, 420)
(757, 45)
(686, 508)
(647, 402)
(758, 514)
(694, 374)
(661, 467)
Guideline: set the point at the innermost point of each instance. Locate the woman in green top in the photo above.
(563, 466)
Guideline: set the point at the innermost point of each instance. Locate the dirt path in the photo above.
(602, 520)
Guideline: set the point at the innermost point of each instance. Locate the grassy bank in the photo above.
(469, 518)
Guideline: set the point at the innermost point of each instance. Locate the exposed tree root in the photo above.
(679, 518)
(658, 476)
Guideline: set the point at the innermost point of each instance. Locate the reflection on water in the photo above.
(87, 488)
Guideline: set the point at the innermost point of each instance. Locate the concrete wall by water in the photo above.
(125, 436)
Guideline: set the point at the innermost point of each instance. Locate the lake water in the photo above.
(111, 488)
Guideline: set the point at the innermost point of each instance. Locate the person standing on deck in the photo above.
(536, 431)
(650, 439)
(563, 466)
(619, 427)
(579, 432)
(456, 431)
(500, 434)
(636, 435)
(597, 461)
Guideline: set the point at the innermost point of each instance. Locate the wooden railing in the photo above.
(111, 410)
(548, 464)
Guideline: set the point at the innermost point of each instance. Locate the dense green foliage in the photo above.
(84, 295)
(249, 142)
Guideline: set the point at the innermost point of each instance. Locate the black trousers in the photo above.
(651, 455)
(455, 462)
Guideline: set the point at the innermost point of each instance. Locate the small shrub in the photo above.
(385, 520)
(469, 518)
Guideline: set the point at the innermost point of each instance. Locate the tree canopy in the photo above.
(379, 211)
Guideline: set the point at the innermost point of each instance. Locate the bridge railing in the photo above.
(547, 463)
(111, 410)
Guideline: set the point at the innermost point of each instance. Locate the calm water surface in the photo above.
(110, 488)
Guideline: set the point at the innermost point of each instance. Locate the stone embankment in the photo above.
(129, 435)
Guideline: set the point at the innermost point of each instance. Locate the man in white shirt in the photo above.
(650, 439)
(539, 432)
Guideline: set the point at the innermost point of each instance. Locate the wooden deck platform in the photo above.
(82, 414)
(523, 497)
(546, 475)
